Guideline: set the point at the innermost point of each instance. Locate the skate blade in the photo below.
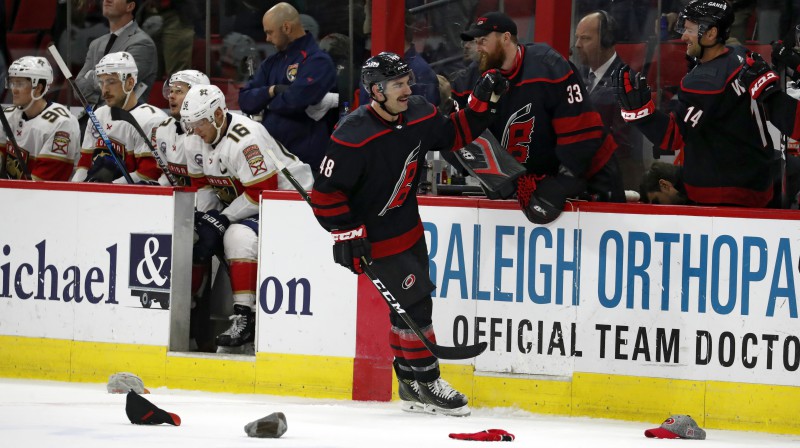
(414, 406)
(463, 411)
(248, 348)
(420, 408)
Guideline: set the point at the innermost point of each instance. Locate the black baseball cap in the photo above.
(489, 22)
(142, 412)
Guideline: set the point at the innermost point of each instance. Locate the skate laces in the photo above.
(443, 389)
(238, 325)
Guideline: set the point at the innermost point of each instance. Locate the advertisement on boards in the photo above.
(65, 276)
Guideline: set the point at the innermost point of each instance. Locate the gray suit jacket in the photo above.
(133, 40)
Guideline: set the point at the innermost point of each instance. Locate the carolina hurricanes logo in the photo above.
(409, 281)
(669, 421)
(518, 133)
(404, 182)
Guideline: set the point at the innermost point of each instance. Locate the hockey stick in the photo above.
(439, 351)
(88, 108)
(288, 173)
(9, 132)
(118, 113)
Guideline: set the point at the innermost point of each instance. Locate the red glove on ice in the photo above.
(489, 435)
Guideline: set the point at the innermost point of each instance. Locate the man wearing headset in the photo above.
(595, 40)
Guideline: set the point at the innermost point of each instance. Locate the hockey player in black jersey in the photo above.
(728, 155)
(547, 122)
(365, 195)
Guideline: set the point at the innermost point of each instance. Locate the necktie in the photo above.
(592, 78)
(110, 43)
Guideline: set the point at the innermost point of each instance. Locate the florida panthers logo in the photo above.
(518, 133)
(291, 72)
(402, 188)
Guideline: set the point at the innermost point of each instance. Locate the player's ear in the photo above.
(376, 92)
(712, 33)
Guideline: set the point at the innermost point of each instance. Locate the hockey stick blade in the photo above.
(88, 108)
(439, 351)
(120, 114)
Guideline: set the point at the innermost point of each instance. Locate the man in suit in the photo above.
(125, 36)
(594, 45)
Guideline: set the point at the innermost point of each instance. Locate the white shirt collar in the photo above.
(601, 71)
(121, 30)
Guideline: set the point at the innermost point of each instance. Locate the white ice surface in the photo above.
(56, 414)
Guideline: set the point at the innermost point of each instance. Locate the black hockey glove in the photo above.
(209, 228)
(487, 90)
(147, 182)
(633, 94)
(349, 246)
(787, 57)
(541, 198)
(103, 169)
(758, 78)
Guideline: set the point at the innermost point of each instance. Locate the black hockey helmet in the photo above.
(708, 14)
(381, 68)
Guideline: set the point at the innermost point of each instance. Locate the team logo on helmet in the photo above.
(291, 72)
(203, 92)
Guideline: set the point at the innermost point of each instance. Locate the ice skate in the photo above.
(409, 394)
(440, 398)
(241, 331)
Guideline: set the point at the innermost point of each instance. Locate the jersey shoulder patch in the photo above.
(419, 109)
(544, 63)
(711, 77)
(359, 128)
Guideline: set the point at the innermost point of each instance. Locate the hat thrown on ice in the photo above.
(142, 412)
(271, 426)
(677, 427)
(122, 382)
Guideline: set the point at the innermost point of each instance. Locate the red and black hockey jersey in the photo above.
(372, 167)
(727, 149)
(546, 119)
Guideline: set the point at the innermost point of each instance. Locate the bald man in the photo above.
(286, 83)
(594, 46)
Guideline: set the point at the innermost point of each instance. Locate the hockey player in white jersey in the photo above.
(230, 169)
(116, 75)
(169, 136)
(47, 133)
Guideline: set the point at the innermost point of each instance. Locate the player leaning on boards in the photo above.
(229, 168)
(547, 122)
(47, 133)
(727, 150)
(116, 75)
(365, 195)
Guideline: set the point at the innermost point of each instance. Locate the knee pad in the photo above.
(240, 242)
